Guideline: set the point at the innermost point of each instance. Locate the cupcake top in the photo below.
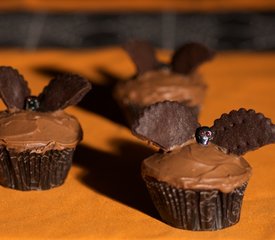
(40, 131)
(158, 85)
(156, 81)
(198, 167)
(195, 157)
(39, 123)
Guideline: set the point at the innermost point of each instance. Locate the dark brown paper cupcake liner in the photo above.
(206, 210)
(34, 171)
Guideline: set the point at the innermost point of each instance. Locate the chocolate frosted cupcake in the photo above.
(156, 82)
(37, 138)
(197, 180)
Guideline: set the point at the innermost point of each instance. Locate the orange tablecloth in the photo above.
(104, 197)
(138, 5)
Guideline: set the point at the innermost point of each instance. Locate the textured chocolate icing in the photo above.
(159, 85)
(195, 166)
(39, 131)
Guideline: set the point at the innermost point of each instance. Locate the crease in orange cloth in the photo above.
(92, 203)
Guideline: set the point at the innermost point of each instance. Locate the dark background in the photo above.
(221, 31)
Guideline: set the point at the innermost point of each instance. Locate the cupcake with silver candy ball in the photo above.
(37, 138)
(198, 179)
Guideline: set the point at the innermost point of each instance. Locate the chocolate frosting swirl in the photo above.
(39, 131)
(195, 166)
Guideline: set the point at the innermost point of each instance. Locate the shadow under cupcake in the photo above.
(198, 178)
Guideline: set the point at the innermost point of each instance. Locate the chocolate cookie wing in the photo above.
(142, 54)
(166, 124)
(188, 57)
(63, 91)
(243, 130)
(13, 88)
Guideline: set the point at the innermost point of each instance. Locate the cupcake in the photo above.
(37, 138)
(198, 178)
(155, 82)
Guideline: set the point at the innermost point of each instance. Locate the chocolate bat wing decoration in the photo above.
(63, 91)
(166, 124)
(143, 55)
(13, 88)
(188, 57)
(242, 131)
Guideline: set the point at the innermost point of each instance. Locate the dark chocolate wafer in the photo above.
(142, 54)
(242, 131)
(63, 91)
(13, 88)
(166, 124)
(188, 57)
